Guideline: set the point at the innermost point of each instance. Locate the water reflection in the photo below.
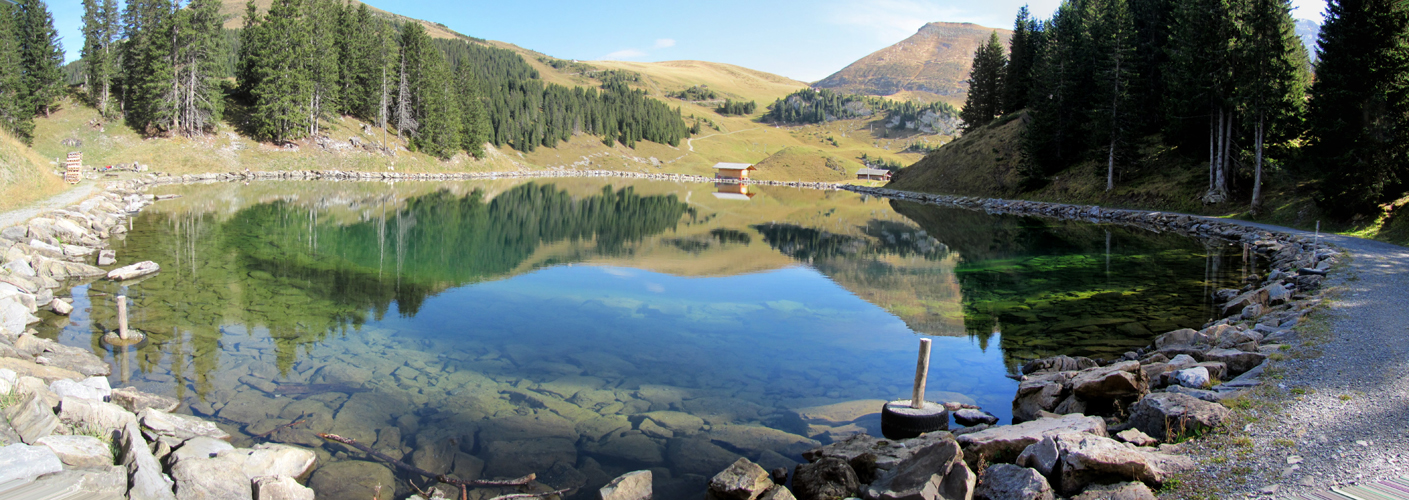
(580, 329)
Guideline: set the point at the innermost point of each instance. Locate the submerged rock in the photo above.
(354, 479)
(629, 486)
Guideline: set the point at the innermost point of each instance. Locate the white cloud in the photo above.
(625, 54)
(664, 43)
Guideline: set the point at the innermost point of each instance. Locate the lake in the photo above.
(583, 328)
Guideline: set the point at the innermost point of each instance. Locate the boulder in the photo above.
(280, 488)
(830, 478)
(61, 307)
(1168, 416)
(1042, 456)
(33, 419)
(1088, 459)
(435, 456)
(1011, 482)
(1135, 437)
(272, 459)
(1040, 393)
(970, 417)
(94, 415)
(219, 478)
(1236, 361)
(629, 486)
(27, 368)
(1258, 297)
(1119, 491)
(935, 472)
(180, 427)
(79, 451)
(354, 479)
(197, 448)
(101, 483)
(1197, 377)
(53, 354)
(134, 271)
(135, 401)
(744, 480)
(107, 258)
(1182, 337)
(1057, 364)
(144, 474)
(94, 388)
(23, 463)
(1002, 444)
(778, 493)
(882, 453)
(1099, 387)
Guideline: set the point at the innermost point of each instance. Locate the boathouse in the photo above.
(872, 174)
(733, 170)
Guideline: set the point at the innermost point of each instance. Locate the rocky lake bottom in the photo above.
(580, 332)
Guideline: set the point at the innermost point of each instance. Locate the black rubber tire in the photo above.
(899, 421)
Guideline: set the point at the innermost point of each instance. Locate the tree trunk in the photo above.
(1110, 166)
(1257, 177)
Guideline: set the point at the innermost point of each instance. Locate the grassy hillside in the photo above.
(25, 176)
(234, 12)
(932, 64)
(799, 162)
(985, 163)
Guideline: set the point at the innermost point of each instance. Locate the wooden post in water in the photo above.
(122, 317)
(922, 372)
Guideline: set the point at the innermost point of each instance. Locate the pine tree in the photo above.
(475, 128)
(985, 99)
(1273, 78)
(1062, 79)
(361, 62)
(1359, 104)
(322, 64)
(1022, 48)
(1201, 84)
(100, 34)
(1113, 42)
(252, 48)
(198, 56)
(41, 55)
(149, 92)
(16, 116)
(283, 89)
(434, 105)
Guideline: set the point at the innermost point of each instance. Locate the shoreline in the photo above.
(1194, 226)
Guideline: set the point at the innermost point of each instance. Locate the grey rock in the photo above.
(1004, 443)
(144, 473)
(79, 451)
(134, 271)
(744, 480)
(19, 268)
(1088, 459)
(934, 472)
(136, 401)
(101, 483)
(1188, 415)
(94, 415)
(1135, 437)
(280, 488)
(1011, 482)
(1057, 364)
(1206, 395)
(886, 453)
(969, 417)
(1119, 491)
(179, 426)
(87, 390)
(1042, 456)
(1236, 360)
(272, 459)
(24, 463)
(630, 486)
(1040, 393)
(1117, 381)
(61, 307)
(107, 258)
(1183, 337)
(354, 479)
(1197, 377)
(220, 478)
(197, 448)
(33, 419)
(434, 456)
(825, 479)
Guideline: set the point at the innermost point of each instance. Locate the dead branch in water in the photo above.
(282, 427)
(522, 481)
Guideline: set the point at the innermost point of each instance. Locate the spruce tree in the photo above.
(1200, 76)
(475, 127)
(16, 117)
(1112, 43)
(1359, 104)
(41, 56)
(1151, 18)
(1062, 79)
(985, 100)
(149, 92)
(198, 55)
(1273, 79)
(100, 35)
(434, 105)
(283, 88)
(322, 65)
(252, 48)
(1022, 47)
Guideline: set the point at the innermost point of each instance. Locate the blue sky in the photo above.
(802, 39)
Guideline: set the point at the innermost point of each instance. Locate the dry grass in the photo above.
(25, 175)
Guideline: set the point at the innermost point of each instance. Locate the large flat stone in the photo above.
(220, 478)
(135, 401)
(94, 415)
(79, 451)
(280, 488)
(24, 463)
(181, 427)
(32, 419)
(100, 483)
(1003, 444)
(31, 369)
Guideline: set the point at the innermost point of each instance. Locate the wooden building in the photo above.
(872, 174)
(733, 170)
(73, 168)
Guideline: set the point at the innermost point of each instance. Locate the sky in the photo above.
(801, 39)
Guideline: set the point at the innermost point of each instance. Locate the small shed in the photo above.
(733, 170)
(872, 174)
(73, 168)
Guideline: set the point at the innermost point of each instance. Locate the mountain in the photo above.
(1309, 31)
(234, 13)
(933, 64)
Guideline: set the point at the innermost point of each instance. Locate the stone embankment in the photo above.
(336, 175)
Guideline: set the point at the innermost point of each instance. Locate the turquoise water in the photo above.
(581, 329)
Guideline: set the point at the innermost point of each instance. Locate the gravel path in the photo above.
(1337, 418)
(68, 198)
